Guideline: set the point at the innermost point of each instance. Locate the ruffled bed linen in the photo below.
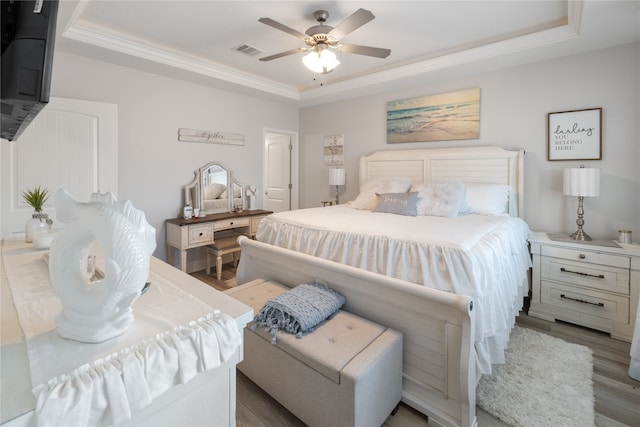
(483, 256)
(123, 374)
(211, 204)
(109, 391)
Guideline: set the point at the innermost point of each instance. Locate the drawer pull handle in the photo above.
(580, 273)
(201, 234)
(582, 256)
(599, 304)
(231, 223)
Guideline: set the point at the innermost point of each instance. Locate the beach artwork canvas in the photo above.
(443, 117)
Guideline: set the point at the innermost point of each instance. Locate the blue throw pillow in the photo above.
(397, 203)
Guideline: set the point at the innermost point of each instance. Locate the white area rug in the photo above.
(544, 382)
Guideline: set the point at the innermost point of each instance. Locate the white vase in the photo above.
(95, 309)
(38, 223)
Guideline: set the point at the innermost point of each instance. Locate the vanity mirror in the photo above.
(214, 189)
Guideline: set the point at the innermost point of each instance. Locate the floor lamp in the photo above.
(581, 182)
(337, 178)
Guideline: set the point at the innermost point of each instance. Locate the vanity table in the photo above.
(215, 190)
(185, 234)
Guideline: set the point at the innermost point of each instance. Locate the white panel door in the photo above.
(278, 173)
(71, 144)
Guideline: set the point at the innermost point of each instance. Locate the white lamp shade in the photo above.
(336, 176)
(320, 62)
(583, 182)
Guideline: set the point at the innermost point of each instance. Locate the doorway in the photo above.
(280, 170)
(71, 144)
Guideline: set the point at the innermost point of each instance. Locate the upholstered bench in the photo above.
(219, 248)
(348, 372)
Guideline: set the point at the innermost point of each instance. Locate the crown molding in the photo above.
(118, 42)
(85, 32)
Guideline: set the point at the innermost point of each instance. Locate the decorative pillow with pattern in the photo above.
(397, 203)
(440, 198)
(367, 198)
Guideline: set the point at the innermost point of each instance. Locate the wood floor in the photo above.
(617, 395)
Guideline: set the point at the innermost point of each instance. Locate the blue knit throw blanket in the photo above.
(299, 310)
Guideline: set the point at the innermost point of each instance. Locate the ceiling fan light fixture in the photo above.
(320, 61)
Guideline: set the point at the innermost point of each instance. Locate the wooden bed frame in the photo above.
(437, 327)
(489, 164)
(439, 374)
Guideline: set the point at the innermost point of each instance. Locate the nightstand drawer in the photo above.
(596, 305)
(202, 233)
(231, 223)
(601, 277)
(587, 256)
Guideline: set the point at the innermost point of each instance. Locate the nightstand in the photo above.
(588, 284)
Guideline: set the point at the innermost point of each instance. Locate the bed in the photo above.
(438, 367)
(215, 197)
(482, 254)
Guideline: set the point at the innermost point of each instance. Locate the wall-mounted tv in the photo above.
(28, 38)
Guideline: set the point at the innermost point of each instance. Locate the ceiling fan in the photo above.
(321, 37)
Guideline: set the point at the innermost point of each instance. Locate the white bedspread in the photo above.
(484, 256)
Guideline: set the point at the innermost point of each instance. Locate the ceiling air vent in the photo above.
(248, 49)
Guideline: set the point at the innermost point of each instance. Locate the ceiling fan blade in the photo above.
(270, 22)
(353, 22)
(285, 53)
(378, 52)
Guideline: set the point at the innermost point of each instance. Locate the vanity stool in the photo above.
(220, 247)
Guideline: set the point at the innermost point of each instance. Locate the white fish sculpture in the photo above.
(97, 311)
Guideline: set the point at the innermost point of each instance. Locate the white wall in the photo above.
(514, 107)
(153, 164)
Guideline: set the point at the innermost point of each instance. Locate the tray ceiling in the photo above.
(219, 43)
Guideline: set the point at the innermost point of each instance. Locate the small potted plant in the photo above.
(39, 222)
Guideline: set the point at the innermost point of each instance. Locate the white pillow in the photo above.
(236, 192)
(484, 198)
(440, 198)
(213, 191)
(367, 198)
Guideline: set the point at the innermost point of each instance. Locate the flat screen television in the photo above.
(28, 38)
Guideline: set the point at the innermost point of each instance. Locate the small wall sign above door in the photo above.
(209, 137)
(575, 135)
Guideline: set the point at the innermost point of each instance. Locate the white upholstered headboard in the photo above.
(462, 164)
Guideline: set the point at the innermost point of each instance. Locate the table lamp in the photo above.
(581, 182)
(337, 178)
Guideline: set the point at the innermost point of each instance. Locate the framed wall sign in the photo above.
(575, 135)
(210, 137)
(333, 149)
